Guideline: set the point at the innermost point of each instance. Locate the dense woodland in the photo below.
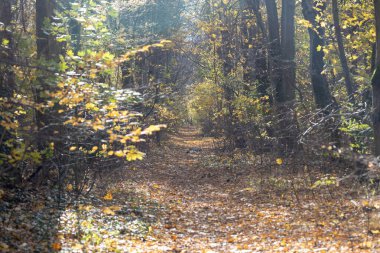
(281, 98)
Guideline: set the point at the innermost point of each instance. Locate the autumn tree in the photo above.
(350, 86)
(322, 95)
(376, 82)
(47, 53)
(7, 82)
(282, 70)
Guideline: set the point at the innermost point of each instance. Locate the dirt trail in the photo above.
(211, 207)
(186, 197)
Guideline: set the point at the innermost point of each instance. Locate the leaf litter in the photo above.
(203, 201)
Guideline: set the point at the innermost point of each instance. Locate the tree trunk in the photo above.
(283, 71)
(7, 77)
(47, 46)
(376, 82)
(274, 47)
(286, 92)
(254, 37)
(225, 52)
(48, 50)
(322, 95)
(342, 55)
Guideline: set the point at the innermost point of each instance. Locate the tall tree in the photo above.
(274, 47)
(286, 99)
(48, 50)
(376, 82)
(226, 54)
(322, 94)
(350, 87)
(282, 70)
(7, 75)
(254, 39)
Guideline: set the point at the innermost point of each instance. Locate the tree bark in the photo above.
(46, 44)
(376, 83)
(274, 47)
(7, 77)
(48, 50)
(225, 52)
(286, 92)
(254, 37)
(283, 71)
(322, 94)
(342, 54)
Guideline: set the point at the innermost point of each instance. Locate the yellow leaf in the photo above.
(365, 245)
(108, 196)
(91, 106)
(85, 207)
(115, 208)
(134, 155)
(279, 161)
(108, 211)
(69, 187)
(119, 153)
(151, 129)
(319, 48)
(73, 148)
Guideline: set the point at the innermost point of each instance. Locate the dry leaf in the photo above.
(56, 246)
(69, 187)
(108, 211)
(108, 196)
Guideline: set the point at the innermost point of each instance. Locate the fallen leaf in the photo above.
(365, 245)
(56, 246)
(69, 187)
(108, 196)
(108, 211)
(115, 208)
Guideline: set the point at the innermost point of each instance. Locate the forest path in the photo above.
(187, 197)
(210, 205)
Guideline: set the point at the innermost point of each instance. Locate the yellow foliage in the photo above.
(108, 211)
(69, 187)
(119, 153)
(134, 155)
(108, 196)
(151, 129)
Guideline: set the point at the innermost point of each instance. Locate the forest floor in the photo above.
(187, 196)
